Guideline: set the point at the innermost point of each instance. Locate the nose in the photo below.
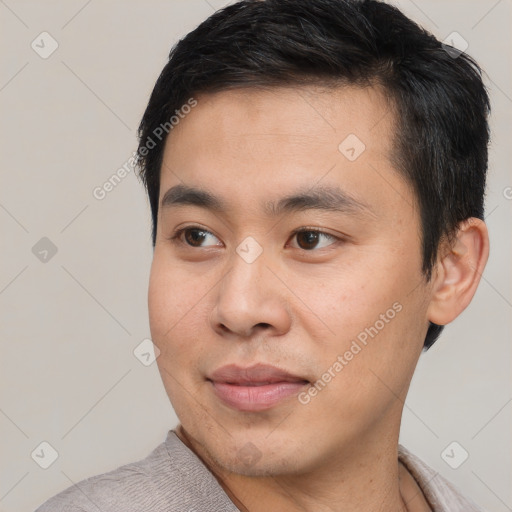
(250, 300)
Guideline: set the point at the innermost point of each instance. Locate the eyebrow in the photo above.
(180, 195)
(317, 198)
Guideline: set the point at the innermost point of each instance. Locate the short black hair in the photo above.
(440, 103)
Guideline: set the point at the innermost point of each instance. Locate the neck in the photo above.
(362, 479)
(312, 493)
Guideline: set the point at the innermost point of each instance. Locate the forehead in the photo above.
(312, 114)
(246, 142)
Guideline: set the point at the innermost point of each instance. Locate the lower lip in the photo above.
(256, 398)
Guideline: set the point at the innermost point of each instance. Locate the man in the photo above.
(316, 171)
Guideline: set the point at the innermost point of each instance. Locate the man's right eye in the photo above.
(195, 237)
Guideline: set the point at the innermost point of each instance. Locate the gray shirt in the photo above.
(173, 479)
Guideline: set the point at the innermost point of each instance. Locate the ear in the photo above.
(458, 271)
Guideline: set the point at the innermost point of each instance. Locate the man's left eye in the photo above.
(313, 239)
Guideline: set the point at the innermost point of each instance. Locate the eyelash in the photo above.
(176, 236)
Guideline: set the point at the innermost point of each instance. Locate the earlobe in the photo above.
(458, 272)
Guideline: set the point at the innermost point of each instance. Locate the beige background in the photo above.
(69, 325)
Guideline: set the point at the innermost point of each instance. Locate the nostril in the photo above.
(263, 324)
(224, 328)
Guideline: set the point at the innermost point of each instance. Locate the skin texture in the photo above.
(294, 308)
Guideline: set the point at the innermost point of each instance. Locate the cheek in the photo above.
(174, 313)
(371, 312)
(168, 302)
(178, 304)
(344, 299)
(380, 347)
(161, 300)
(171, 295)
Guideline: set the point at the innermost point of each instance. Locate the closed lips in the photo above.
(257, 375)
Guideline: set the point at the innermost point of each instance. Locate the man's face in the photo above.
(291, 310)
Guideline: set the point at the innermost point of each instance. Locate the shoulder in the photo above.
(439, 492)
(169, 479)
(113, 490)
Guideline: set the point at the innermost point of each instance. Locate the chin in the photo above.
(255, 455)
